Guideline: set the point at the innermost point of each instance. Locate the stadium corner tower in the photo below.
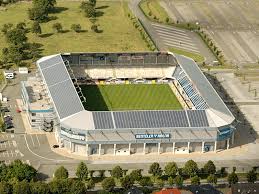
(53, 101)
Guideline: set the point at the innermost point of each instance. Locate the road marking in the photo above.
(14, 144)
(7, 154)
(38, 140)
(168, 27)
(40, 155)
(32, 141)
(12, 136)
(9, 144)
(5, 144)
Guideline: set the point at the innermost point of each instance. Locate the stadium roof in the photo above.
(71, 112)
(204, 87)
(60, 86)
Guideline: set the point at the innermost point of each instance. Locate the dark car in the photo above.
(5, 109)
(8, 125)
(8, 119)
(55, 146)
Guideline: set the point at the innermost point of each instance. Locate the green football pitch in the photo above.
(129, 97)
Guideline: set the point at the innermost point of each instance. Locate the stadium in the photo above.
(127, 103)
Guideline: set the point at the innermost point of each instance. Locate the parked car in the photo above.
(5, 109)
(6, 119)
(55, 146)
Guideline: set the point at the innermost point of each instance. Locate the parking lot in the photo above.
(9, 150)
(232, 24)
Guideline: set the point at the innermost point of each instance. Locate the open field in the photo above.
(232, 24)
(130, 97)
(118, 33)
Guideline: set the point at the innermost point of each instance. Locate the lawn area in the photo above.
(153, 10)
(195, 56)
(118, 33)
(130, 97)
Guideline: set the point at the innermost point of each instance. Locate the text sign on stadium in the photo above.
(73, 136)
(152, 136)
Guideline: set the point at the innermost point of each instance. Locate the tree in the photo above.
(127, 182)
(136, 174)
(195, 180)
(39, 188)
(89, 9)
(16, 37)
(178, 181)
(212, 179)
(57, 27)
(210, 167)
(36, 29)
(76, 27)
(191, 168)
(60, 186)
(251, 176)
(40, 9)
(90, 184)
(22, 187)
(117, 172)
(171, 169)
(170, 181)
(6, 28)
(160, 183)
(61, 173)
(93, 2)
(77, 187)
(94, 28)
(145, 181)
(155, 169)
(21, 171)
(37, 14)
(232, 178)
(5, 188)
(82, 171)
(108, 184)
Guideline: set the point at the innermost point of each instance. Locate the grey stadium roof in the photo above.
(60, 86)
(202, 84)
(67, 102)
(149, 119)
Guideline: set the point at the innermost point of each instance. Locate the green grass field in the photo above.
(154, 11)
(130, 97)
(195, 56)
(118, 33)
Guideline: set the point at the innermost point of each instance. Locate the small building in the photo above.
(244, 188)
(36, 104)
(23, 70)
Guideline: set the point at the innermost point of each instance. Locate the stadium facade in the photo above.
(53, 101)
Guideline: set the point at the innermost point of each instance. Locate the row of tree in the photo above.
(19, 178)
(90, 11)
(171, 174)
